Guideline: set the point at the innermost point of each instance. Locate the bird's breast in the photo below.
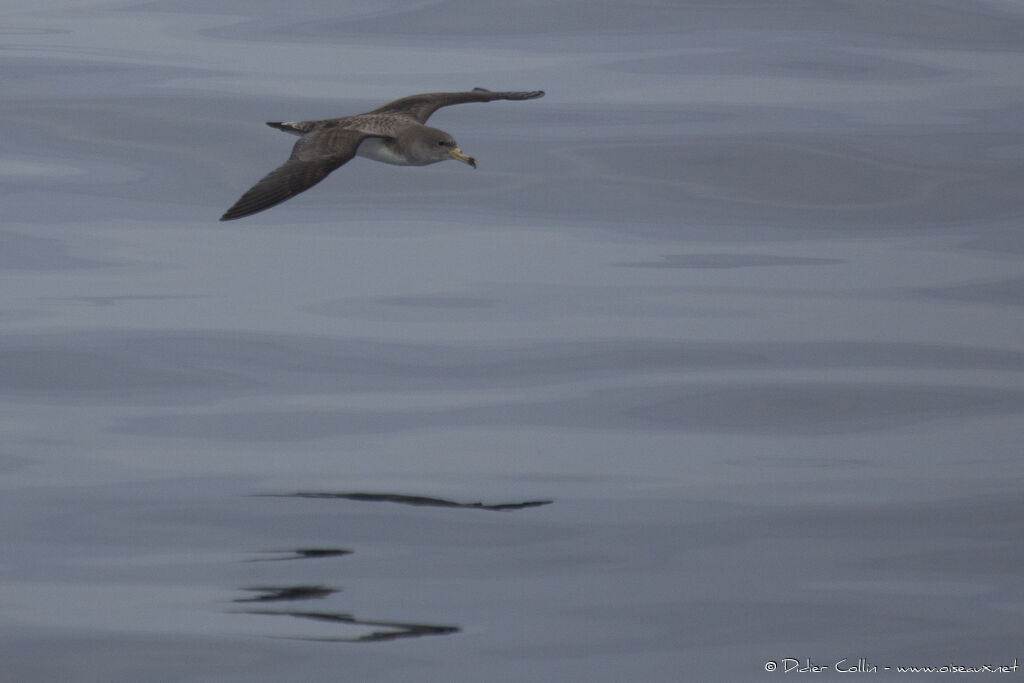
(382, 150)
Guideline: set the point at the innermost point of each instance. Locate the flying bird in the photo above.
(393, 134)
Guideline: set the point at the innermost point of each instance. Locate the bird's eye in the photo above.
(441, 143)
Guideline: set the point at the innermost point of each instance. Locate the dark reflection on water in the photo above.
(285, 593)
(442, 302)
(729, 261)
(186, 367)
(421, 501)
(547, 28)
(1007, 292)
(114, 300)
(807, 408)
(762, 407)
(814, 61)
(304, 554)
(395, 630)
(29, 252)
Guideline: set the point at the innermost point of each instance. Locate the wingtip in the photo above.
(529, 95)
(240, 209)
(524, 95)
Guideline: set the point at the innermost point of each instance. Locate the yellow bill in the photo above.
(459, 155)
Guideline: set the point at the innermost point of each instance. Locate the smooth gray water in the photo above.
(715, 361)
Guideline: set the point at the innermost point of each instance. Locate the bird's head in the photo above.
(441, 146)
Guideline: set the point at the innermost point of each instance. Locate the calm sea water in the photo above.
(713, 365)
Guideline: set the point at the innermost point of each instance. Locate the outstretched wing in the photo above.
(313, 158)
(420, 107)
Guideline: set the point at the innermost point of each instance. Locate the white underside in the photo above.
(378, 150)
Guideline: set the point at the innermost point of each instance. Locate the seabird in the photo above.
(393, 134)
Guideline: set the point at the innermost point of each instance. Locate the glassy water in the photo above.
(715, 362)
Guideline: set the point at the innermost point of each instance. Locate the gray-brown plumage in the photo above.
(393, 134)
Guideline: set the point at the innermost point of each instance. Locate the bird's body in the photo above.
(392, 134)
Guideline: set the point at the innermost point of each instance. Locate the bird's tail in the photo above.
(292, 127)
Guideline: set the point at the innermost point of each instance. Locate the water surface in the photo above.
(714, 361)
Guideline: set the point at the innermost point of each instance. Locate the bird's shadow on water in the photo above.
(379, 631)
